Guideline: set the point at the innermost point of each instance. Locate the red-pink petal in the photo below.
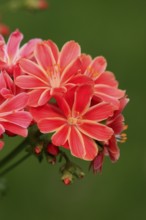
(21, 118)
(54, 49)
(28, 49)
(63, 105)
(85, 61)
(15, 129)
(15, 103)
(69, 52)
(111, 91)
(110, 99)
(45, 97)
(107, 78)
(91, 148)
(81, 79)
(96, 131)
(32, 69)
(76, 143)
(82, 99)
(13, 44)
(61, 136)
(99, 112)
(70, 71)
(50, 124)
(97, 66)
(45, 111)
(30, 82)
(44, 56)
(113, 149)
(34, 97)
(117, 124)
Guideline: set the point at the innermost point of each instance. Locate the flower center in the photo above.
(54, 76)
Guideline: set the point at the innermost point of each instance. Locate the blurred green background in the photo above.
(116, 30)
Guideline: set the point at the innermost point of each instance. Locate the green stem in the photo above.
(13, 153)
(7, 170)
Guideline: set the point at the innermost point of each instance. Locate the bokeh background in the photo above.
(117, 30)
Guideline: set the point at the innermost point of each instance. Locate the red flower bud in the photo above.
(52, 149)
(67, 181)
(4, 29)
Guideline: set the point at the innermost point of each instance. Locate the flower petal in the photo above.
(45, 97)
(96, 67)
(34, 97)
(28, 49)
(61, 136)
(44, 56)
(13, 44)
(30, 82)
(54, 49)
(96, 131)
(32, 69)
(21, 119)
(63, 105)
(69, 52)
(15, 129)
(15, 103)
(107, 78)
(85, 62)
(113, 149)
(82, 99)
(76, 143)
(90, 148)
(111, 91)
(50, 124)
(45, 111)
(70, 71)
(99, 112)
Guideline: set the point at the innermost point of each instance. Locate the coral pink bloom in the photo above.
(13, 118)
(105, 85)
(11, 52)
(52, 73)
(75, 123)
(117, 124)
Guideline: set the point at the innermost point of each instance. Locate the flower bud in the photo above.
(51, 159)
(67, 178)
(52, 149)
(97, 162)
(4, 29)
(36, 4)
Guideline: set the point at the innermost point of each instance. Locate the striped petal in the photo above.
(91, 148)
(32, 69)
(30, 82)
(50, 124)
(45, 111)
(69, 52)
(54, 49)
(99, 112)
(76, 143)
(15, 129)
(107, 78)
(61, 136)
(82, 99)
(15, 103)
(44, 56)
(96, 131)
(13, 44)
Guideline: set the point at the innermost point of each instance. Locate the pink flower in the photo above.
(53, 72)
(76, 124)
(11, 52)
(116, 122)
(105, 84)
(13, 118)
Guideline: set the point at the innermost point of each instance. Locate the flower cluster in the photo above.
(66, 93)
